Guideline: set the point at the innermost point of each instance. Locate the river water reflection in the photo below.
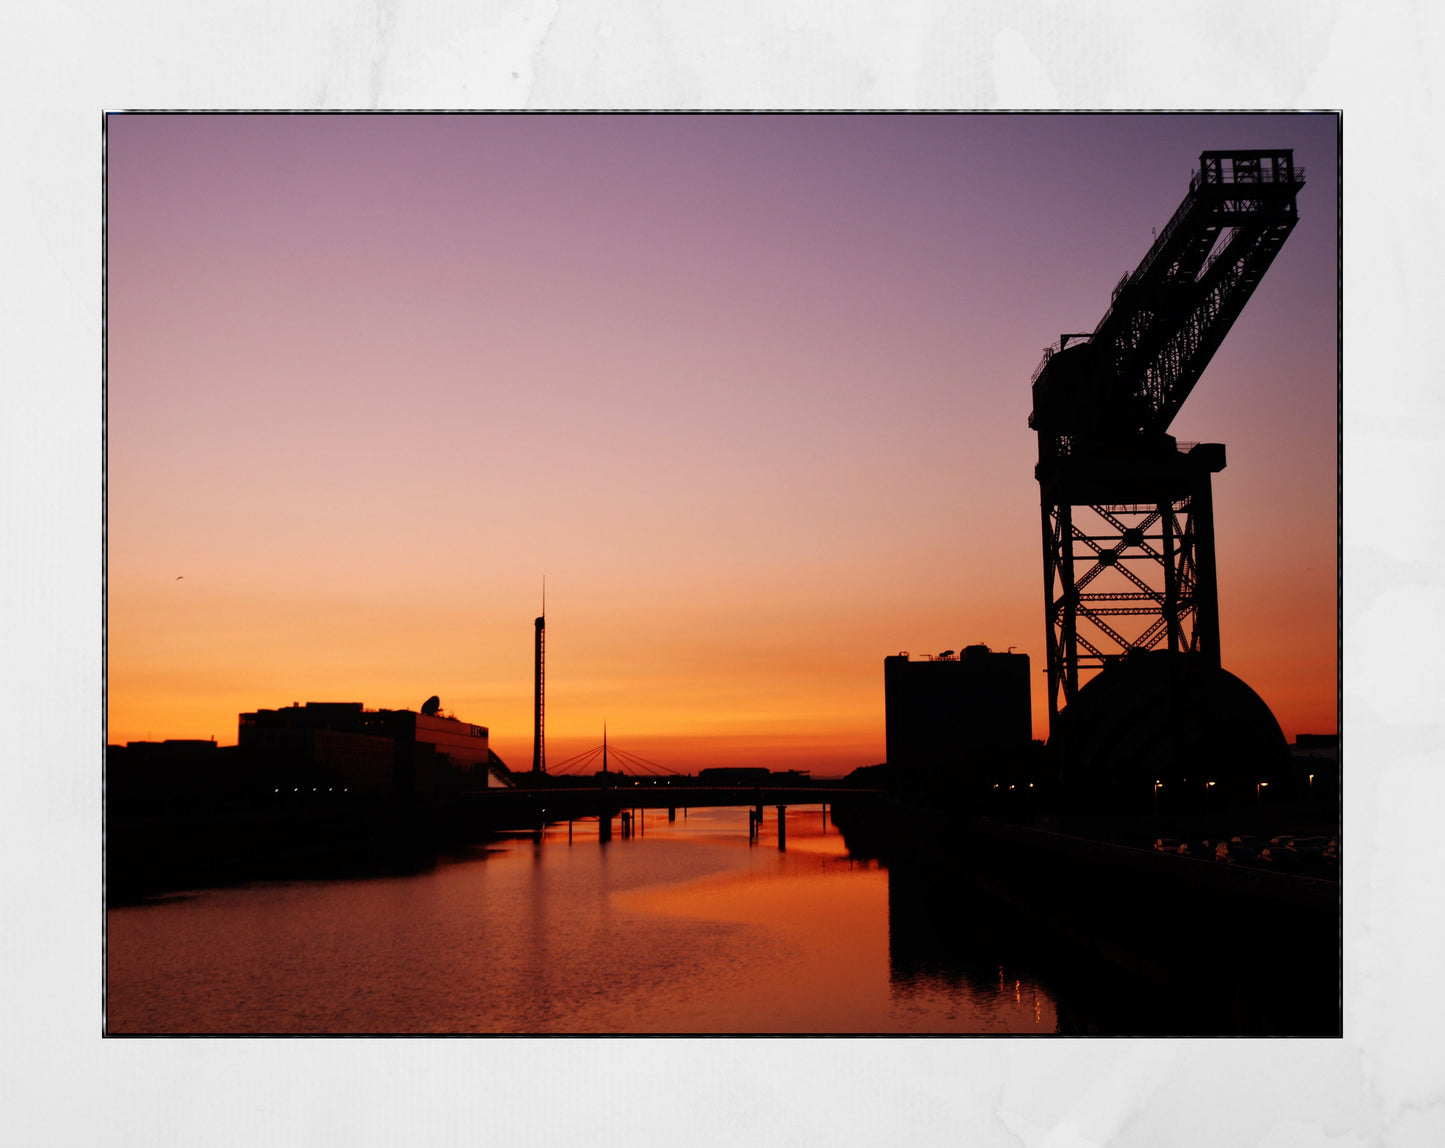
(685, 928)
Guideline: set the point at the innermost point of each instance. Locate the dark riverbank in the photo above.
(1131, 941)
(160, 853)
(226, 838)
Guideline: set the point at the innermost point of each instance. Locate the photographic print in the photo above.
(594, 574)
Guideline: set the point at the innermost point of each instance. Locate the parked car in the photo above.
(1279, 857)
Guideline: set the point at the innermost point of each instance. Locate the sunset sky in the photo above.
(751, 392)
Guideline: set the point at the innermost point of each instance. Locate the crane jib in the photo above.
(1171, 313)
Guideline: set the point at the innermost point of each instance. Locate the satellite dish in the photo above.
(431, 705)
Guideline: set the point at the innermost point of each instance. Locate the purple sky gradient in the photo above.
(751, 391)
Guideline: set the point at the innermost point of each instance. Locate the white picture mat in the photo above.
(65, 66)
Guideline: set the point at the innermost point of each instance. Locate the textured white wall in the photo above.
(64, 64)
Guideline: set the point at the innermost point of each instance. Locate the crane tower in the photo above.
(1127, 513)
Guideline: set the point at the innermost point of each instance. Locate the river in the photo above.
(687, 927)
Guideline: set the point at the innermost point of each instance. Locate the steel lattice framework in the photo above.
(1136, 583)
(1127, 514)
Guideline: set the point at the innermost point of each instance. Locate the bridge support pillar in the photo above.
(782, 827)
(604, 826)
(672, 812)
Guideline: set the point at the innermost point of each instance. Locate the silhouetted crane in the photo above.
(1103, 403)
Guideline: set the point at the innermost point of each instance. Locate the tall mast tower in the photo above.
(539, 691)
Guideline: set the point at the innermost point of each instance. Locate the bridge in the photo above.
(535, 807)
(553, 796)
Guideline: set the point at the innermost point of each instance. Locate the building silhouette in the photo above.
(394, 753)
(956, 723)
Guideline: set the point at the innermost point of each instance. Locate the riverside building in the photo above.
(956, 722)
(396, 753)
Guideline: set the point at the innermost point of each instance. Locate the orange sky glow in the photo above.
(751, 393)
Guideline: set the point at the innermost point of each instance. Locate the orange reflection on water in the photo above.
(685, 928)
(827, 918)
(800, 904)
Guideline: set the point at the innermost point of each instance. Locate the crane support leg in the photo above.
(1206, 586)
(1131, 575)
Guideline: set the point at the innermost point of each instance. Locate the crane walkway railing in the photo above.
(1258, 175)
